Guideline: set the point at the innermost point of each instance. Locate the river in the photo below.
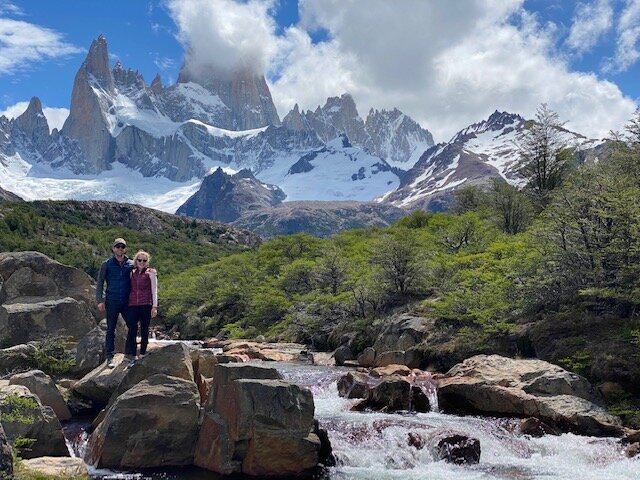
(374, 446)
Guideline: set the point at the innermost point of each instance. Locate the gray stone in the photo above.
(24, 416)
(18, 357)
(6, 456)
(368, 357)
(528, 388)
(41, 384)
(56, 467)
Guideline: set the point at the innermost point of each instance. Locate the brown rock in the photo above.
(535, 428)
(258, 426)
(416, 441)
(389, 370)
(459, 449)
(173, 360)
(395, 393)
(368, 357)
(152, 424)
(632, 450)
(356, 384)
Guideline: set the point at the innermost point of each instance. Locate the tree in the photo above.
(397, 257)
(332, 270)
(593, 228)
(468, 198)
(545, 157)
(511, 206)
(463, 231)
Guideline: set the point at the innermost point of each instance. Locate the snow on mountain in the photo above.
(479, 152)
(337, 171)
(152, 144)
(390, 135)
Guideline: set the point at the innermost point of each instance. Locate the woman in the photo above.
(143, 304)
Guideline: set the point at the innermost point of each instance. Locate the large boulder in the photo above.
(402, 333)
(90, 349)
(41, 298)
(41, 384)
(6, 457)
(18, 357)
(152, 424)
(94, 390)
(225, 374)
(257, 426)
(529, 388)
(55, 467)
(24, 416)
(31, 319)
(173, 360)
(33, 274)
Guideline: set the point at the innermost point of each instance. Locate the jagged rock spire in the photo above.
(97, 63)
(32, 122)
(91, 98)
(156, 84)
(245, 93)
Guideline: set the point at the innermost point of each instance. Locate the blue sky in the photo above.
(447, 64)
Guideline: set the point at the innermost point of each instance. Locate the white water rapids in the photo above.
(375, 446)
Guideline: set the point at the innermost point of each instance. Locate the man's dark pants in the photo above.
(113, 310)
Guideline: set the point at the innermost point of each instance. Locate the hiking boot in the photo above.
(110, 362)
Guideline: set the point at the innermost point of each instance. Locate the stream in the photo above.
(375, 445)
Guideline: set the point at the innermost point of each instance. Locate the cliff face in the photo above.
(92, 96)
(245, 95)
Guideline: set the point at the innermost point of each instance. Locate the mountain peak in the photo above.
(225, 197)
(33, 122)
(246, 94)
(156, 84)
(97, 63)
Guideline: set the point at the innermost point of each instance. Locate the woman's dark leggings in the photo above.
(135, 314)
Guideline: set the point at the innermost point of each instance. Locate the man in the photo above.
(116, 272)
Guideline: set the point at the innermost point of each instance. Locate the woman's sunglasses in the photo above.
(142, 260)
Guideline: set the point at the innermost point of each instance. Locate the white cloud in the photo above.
(55, 116)
(446, 64)
(22, 44)
(164, 63)
(590, 22)
(225, 34)
(9, 8)
(628, 42)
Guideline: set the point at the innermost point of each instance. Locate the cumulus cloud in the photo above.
(225, 35)
(446, 64)
(23, 43)
(590, 22)
(628, 42)
(55, 116)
